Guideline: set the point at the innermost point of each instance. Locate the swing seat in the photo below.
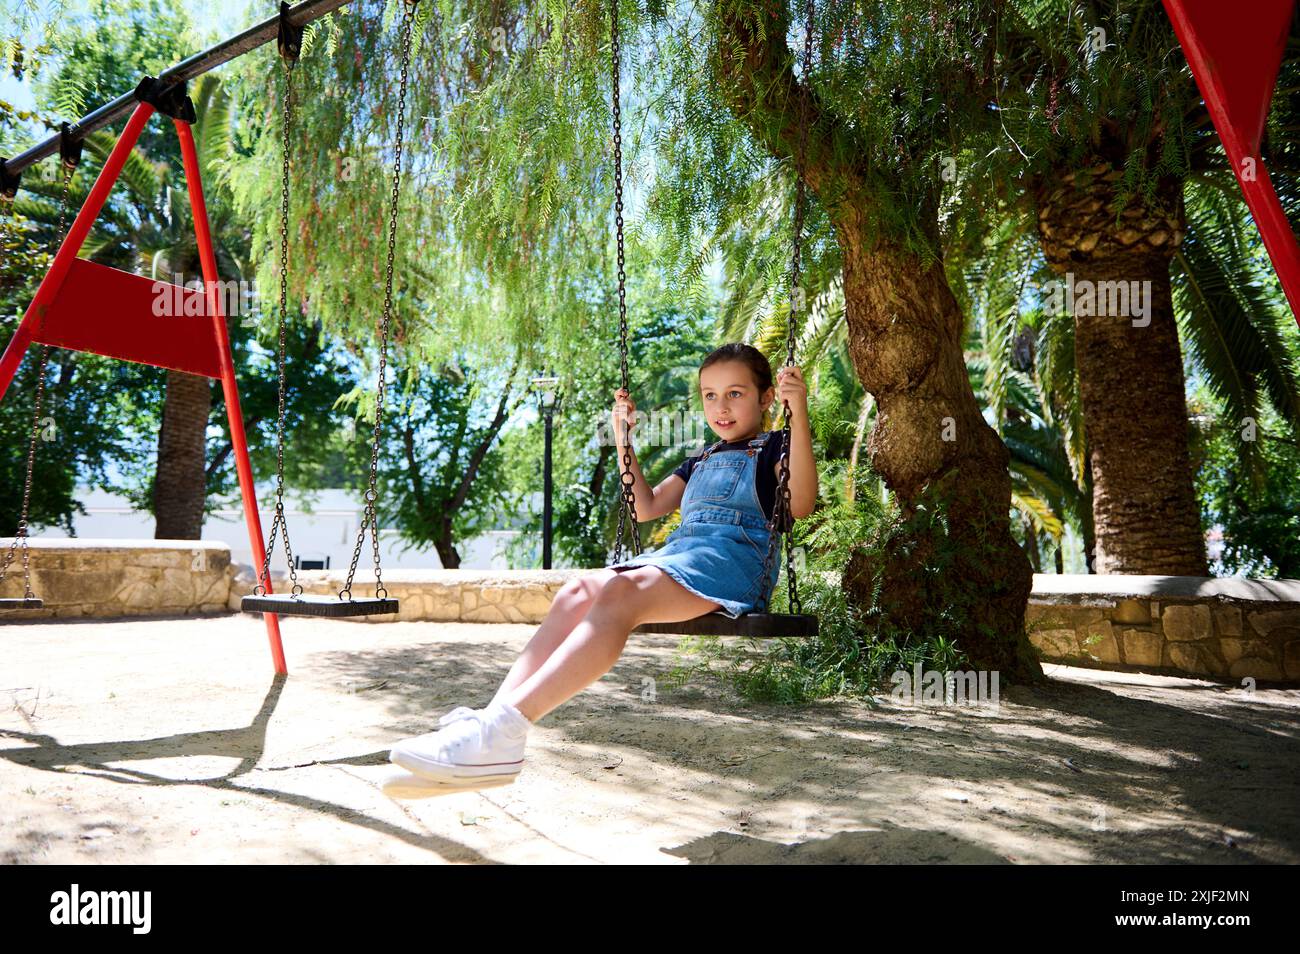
(755, 625)
(311, 604)
(18, 603)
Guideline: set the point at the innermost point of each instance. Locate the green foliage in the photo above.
(33, 31)
(499, 238)
(439, 461)
(105, 51)
(1232, 319)
(858, 648)
(318, 373)
(666, 344)
(1252, 494)
(89, 430)
(1082, 79)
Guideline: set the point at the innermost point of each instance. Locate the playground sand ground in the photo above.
(169, 741)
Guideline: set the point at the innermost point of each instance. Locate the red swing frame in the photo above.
(84, 306)
(1234, 55)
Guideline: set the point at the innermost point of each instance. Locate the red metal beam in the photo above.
(1234, 54)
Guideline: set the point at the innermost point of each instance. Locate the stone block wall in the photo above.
(465, 596)
(1227, 628)
(108, 578)
(1222, 628)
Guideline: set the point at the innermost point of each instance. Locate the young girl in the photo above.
(712, 561)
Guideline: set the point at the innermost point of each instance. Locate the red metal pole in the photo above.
(242, 466)
(1261, 198)
(53, 280)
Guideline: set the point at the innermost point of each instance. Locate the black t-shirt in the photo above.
(765, 474)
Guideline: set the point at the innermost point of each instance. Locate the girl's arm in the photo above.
(651, 504)
(803, 466)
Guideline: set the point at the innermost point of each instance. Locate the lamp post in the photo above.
(546, 397)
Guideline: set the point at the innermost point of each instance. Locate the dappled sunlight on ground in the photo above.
(169, 740)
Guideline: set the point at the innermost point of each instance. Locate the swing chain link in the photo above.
(21, 532)
(626, 480)
(782, 521)
(279, 523)
(370, 517)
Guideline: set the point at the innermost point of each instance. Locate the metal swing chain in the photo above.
(20, 534)
(782, 521)
(279, 521)
(369, 518)
(626, 479)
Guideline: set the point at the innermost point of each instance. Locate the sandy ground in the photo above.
(170, 741)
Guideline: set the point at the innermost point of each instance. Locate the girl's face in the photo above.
(732, 403)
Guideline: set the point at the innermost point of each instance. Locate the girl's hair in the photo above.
(758, 366)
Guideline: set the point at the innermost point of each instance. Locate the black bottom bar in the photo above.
(36, 895)
(759, 625)
(315, 605)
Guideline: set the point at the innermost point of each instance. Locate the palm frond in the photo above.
(1040, 515)
(140, 176)
(213, 129)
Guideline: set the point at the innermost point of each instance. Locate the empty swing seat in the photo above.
(19, 603)
(310, 604)
(756, 625)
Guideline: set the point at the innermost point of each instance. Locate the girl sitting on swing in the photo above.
(713, 561)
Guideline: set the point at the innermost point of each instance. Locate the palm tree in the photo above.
(1234, 330)
(1105, 133)
(1022, 361)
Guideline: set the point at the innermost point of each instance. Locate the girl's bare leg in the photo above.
(627, 599)
(567, 610)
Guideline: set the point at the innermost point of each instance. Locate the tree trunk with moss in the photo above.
(1129, 364)
(905, 338)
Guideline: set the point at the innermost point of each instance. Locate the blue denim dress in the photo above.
(717, 552)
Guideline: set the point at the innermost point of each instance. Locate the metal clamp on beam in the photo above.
(289, 39)
(69, 148)
(168, 98)
(8, 183)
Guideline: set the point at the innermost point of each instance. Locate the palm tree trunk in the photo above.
(1130, 368)
(181, 482)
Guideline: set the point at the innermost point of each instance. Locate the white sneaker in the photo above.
(473, 745)
(457, 713)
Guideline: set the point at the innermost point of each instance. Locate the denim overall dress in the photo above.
(717, 551)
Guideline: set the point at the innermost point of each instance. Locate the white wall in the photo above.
(328, 530)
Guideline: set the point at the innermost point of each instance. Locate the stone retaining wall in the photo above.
(466, 596)
(108, 578)
(1225, 628)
